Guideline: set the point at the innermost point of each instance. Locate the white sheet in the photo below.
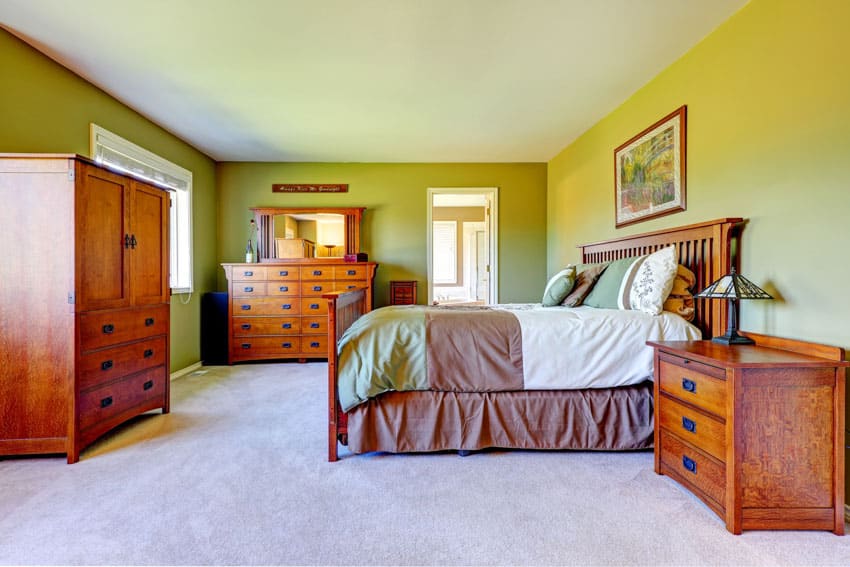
(585, 347)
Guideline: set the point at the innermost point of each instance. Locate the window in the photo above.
(445, 252)
(115, 152)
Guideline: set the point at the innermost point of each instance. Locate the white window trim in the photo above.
(177, 180)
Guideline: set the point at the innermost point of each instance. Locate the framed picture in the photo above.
(649, 170)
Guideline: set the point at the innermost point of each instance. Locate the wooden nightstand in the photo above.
(756, 432)
(403, 292)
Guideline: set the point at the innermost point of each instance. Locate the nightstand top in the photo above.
(743, 356)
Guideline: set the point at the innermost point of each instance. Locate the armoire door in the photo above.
(103, 239)
(149, 245)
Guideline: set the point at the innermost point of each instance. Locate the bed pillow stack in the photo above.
(559, 286)
(642, 283)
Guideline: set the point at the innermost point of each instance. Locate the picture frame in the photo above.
(650, 171)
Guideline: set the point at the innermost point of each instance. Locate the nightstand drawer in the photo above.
(696, 428)
(692, 467)
(690, 383)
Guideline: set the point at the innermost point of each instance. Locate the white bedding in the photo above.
(567, 348)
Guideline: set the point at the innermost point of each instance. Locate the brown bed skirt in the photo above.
(605, 419)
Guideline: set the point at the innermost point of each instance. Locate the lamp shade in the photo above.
(733, 286)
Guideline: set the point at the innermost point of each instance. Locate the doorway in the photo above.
(462, 246)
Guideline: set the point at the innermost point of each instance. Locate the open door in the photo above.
(462, 248)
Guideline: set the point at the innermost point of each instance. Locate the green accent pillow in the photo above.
(605, 293)
(559, 286)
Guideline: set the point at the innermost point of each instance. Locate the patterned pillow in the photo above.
(681, 300)
(648, 281)
(586, 278)
(559, 286)
(605, 293)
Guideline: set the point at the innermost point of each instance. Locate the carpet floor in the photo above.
(237, 474)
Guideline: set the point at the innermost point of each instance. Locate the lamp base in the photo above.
(733, 339)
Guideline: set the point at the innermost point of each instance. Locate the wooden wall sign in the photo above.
(310, 188)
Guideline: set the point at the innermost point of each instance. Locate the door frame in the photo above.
(491, 225)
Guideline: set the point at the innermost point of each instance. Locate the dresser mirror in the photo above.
(306, 233)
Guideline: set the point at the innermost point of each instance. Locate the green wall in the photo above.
(768, 139)
(768, 136)
(393, 232)
(45, 108)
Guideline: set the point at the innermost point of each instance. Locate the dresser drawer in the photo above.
(245, 347)
(348, 285)
(349, 272)
(314, 306)
(249, 273)
(108, 401)
(316, 288)
(100, 329)
(283, 273)
(249, 289)
(696, 428)
(253, 326)
(101, 366)
(266, 306)
(314, 345)
(311, 273)
(283, 288)
(692, 383)
(695, 469)
(314, 325)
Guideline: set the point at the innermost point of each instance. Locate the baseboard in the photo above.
(184, 371)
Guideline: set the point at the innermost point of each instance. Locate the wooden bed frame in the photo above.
(709, 249)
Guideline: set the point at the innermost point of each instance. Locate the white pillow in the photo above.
(648, 282)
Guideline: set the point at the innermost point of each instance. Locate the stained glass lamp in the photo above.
(733, 287)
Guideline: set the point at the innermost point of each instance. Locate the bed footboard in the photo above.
(343, 309)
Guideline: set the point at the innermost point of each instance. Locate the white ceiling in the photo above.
(369, 80)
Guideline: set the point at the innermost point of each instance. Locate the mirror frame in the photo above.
(264, 217)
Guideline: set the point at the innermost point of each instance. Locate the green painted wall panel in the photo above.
(393, 232)
(45, 108)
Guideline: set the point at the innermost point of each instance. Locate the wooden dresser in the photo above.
(276, 310)
(84, 314)
(756, 432)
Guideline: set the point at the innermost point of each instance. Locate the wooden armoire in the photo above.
(84, 314)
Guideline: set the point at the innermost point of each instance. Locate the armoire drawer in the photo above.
(101, 366)
(108, 401)
(99, 329)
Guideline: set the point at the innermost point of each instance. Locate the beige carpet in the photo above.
(237, 474)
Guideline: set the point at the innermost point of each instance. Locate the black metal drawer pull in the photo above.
(148, 321)
(317, 288)
(249, 273)
(314, 345)
(286, 345)
(284, 288)
(126, 241)
(286, 306)
(689, 424)
(147, 385)
(314, 325)
(246, 308)
(314, 306)
(133, 241)
(689, 464)
(246, 326)
(148, 352)
(287, 325)
(317, 272)
(108, 329)
(249, 289)
(352, 286)
(689, 385)
(106, 402)
(284, 272)
(246, 345)
(351, 272)
(106, 365)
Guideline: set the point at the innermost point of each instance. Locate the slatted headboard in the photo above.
(708, 249)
